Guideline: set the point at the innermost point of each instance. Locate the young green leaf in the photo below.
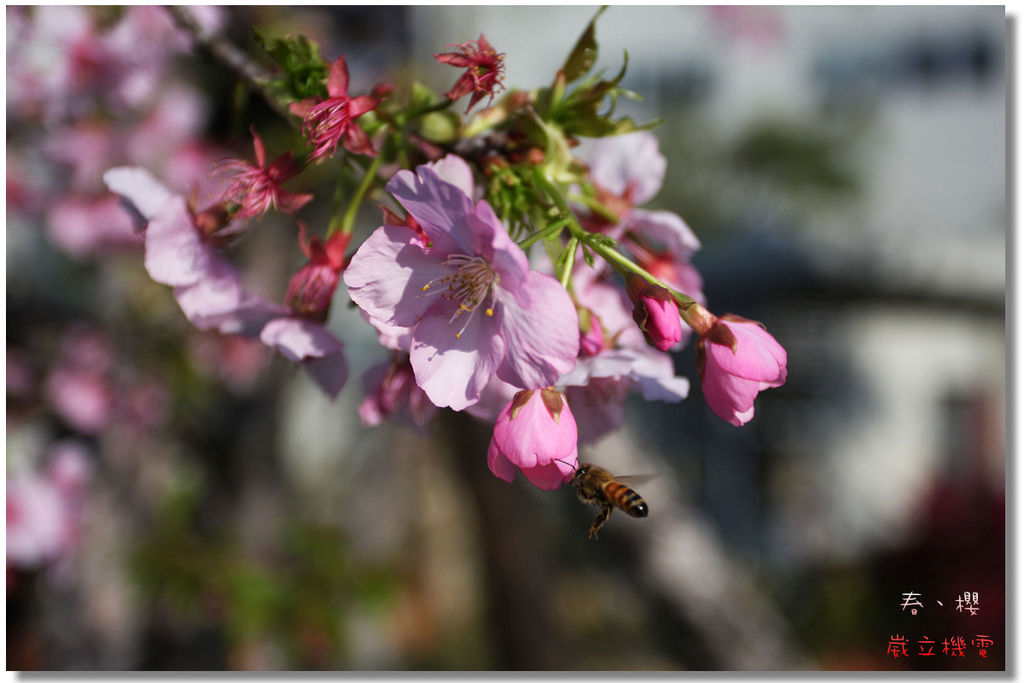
(584, 53)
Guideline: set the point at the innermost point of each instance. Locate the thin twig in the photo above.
(255, 76)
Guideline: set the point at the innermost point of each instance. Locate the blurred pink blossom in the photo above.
(392, 392)
(83, 227)
(44, 510)
(628, 170)
(311, 289)
(37, 521)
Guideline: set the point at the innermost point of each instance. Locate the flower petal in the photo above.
(175, 253)
(387, 276)
(628, 163)
(337, 79)
(439, 207)
(758, 355)
(499, 464)
(454, 370)
(541, 332)
(329, 372)
(554, 475)
(666, 230)
(138, 186)
(298, 339)
(729, 397)
(453, 169)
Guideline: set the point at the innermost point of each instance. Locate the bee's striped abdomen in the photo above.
(626, 499)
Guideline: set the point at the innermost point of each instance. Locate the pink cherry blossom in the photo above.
(37, 520)
(331, 122)
(44, 508)
(736, 359)
(474, 307)
(84, 227)
(628, 166)
(209, 290)
(83, 398)
(535, 434)
(628, 170)
(311, 289)
(598, 384)
(257, 188)
(391, 391)
(484, 70)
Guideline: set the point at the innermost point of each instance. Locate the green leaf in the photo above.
(304, 70)
(584, 53)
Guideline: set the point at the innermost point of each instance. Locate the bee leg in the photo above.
(606, 511)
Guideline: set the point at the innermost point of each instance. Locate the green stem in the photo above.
(542, 234)
(437, 106)
(569, 256)
(348, 219)
(251, 73)
(597, 207)
(599, 243)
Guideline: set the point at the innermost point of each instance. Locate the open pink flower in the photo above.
(474, 307)
(331, 122)
(258, 188)
(536, 434)
(484, 70)
(736, 359)
(209, 290)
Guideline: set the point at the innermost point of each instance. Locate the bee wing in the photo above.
(636, 479)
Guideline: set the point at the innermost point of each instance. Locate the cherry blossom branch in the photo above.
(255, 76)
(543, 234)
(600, 243)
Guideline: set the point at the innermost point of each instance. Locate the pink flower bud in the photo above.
(536, 433)
(655, 312)
(736, 359)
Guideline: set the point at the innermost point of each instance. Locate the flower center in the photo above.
(471, 283)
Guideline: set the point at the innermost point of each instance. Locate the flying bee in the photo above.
(599, 487)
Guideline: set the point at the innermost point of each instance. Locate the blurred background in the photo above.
(179, 500)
